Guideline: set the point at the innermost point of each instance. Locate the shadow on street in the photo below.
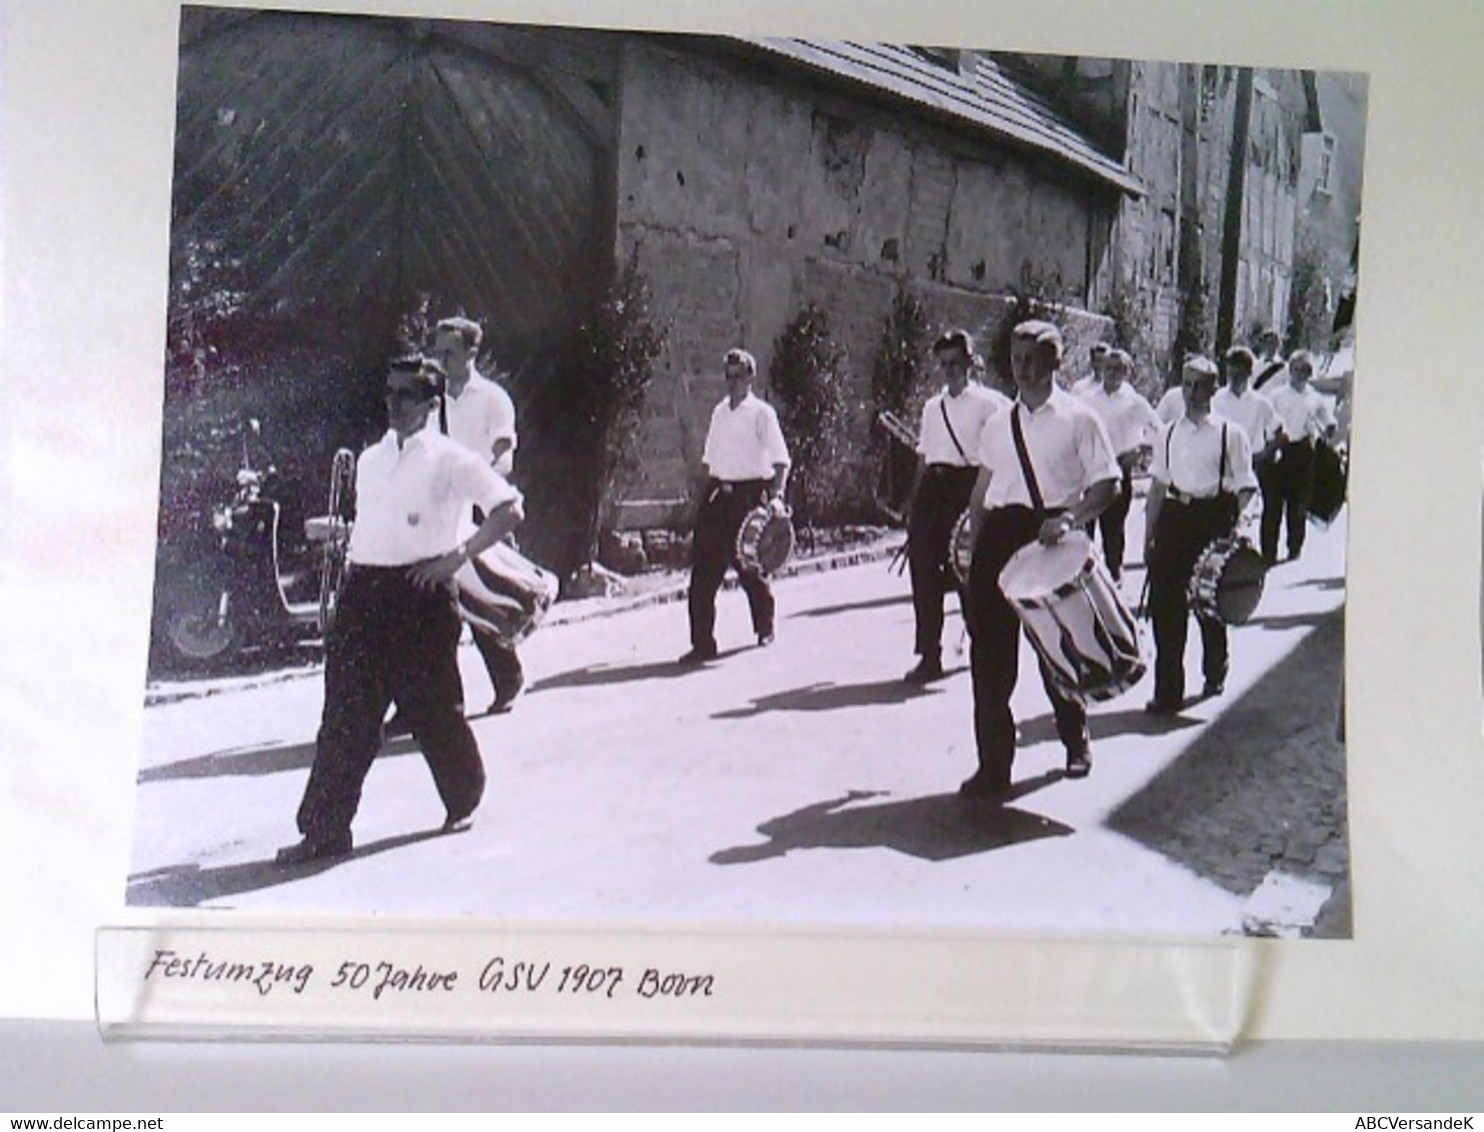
(1263, 788)
(246, 761)
(854, 606)
(936, 828)
(836, 697)
(189, 886)
(627, 673)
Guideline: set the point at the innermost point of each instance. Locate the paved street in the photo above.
(800, 784)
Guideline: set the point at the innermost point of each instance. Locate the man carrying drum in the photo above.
(1201, 479)
(745, 463)
(947, 465)
(1046, 469)
(481, 417)
(396, 631)
(1130, 421)
(1304, 417)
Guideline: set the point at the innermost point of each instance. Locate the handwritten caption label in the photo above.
(382, 980)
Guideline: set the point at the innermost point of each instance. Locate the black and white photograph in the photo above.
(645, 477)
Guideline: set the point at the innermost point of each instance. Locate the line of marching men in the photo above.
(1028, 473)
(1021, 485)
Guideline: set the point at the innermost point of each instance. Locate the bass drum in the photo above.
(1227, 581)
(765, 541)
(961, 548)
(1075, 617)
(504, 593)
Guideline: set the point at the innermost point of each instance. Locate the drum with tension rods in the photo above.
(1226, 583)
(765, 540)
(1075, 617)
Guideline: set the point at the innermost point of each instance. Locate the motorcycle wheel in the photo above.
(199, 636)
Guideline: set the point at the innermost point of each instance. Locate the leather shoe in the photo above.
(1212, 689)
(927, 670)
(765, 639)
(985, 786)
(1159, 706)
(1079, 763)
(315, 849)
(699, 654)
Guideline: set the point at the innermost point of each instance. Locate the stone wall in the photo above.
(746, 193)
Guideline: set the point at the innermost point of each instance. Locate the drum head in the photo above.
(775, 543)
(1037, 572)
(1240, 588)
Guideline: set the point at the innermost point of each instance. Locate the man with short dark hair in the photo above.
(1200, 480)
(1063, 480)
(1130, 420)
(745, 463)
(1303, 417)
(396, 631)
(947, 447)
(481, 417)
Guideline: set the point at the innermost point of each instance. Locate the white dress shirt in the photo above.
(1068, 448)
(967, 412)
(744, 443)
(1188, 457)
(480, 415)
(1129, 419)
(1252, 410)
(411, 498)
(1303, 414)
(1171, 406)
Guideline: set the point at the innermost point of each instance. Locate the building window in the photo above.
(1324, 179)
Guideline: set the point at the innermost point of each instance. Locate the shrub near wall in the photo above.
(810, 381)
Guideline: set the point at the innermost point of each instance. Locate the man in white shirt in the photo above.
(1130, 421)
(481, 417)
(1239, 403)
(1071, 477)
(1270, 364)
(1093, 379)
(396, 631)
(948, 440)
(745, 463)
(1200, 480)
(1304, 416)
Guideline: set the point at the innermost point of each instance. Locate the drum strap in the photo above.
(1270, 371)
(953, 436)
(1025, 462)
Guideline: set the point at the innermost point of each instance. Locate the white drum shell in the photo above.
(504, 592)
(1075, 617)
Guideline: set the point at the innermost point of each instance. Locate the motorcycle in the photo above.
(269, 592)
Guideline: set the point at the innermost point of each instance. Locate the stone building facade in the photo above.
(756, 176)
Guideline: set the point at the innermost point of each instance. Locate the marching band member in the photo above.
(1093, 379)
(481, 417)
(1046, 468)
(1129, 420)
(947, 447)
(1201, 479)
(395, 636)
(745, 462)
(1288, 481)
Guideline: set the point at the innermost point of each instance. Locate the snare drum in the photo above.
(505, 593)
(1075, 618)
(961, 548)
(764, 541)
(1226, 583)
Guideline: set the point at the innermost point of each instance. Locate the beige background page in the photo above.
(86, 136)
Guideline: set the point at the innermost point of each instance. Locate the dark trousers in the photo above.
(1181, 533)
(391, 643)
(995, 654)
(1113, 522)
(941, 498)
(713, 549)
(1287, 484)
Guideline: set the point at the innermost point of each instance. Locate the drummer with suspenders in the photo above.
(745, 463)
(947, 447)
(1046, 469)
(1201, 479)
